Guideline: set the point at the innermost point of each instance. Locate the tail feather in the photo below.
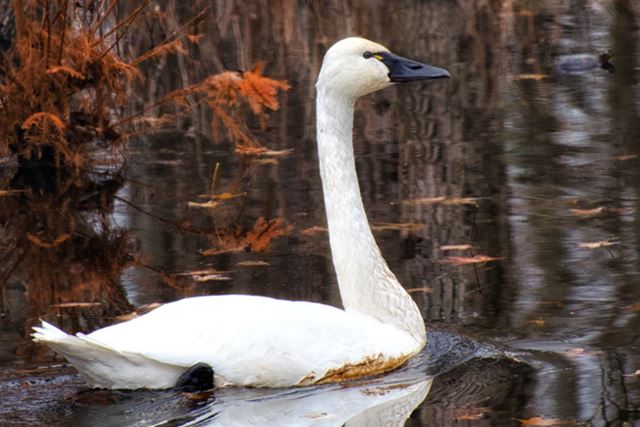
(103, 366)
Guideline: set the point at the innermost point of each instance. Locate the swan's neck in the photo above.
(366, 283)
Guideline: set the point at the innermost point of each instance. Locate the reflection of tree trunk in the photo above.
(438, 158)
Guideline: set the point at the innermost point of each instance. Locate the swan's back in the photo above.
(259, 341)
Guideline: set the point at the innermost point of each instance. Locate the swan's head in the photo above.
(356, 67)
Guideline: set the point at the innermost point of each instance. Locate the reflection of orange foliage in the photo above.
(257, 239)
(225, 93)
(263, 231)
(55, 242)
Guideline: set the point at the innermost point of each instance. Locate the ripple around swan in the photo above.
(452, 368)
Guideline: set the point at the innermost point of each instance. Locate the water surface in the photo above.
(537, 167)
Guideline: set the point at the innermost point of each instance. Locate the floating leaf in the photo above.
(407, 226)
(455, 247)
(578, 352)
(599, 244)
(212, 277)
(207, 275)
(443, 200)
(76, 305)
(249, 150)
(542, 421)
(203, 272)
(532, 76)
(537, 322)
(312, 231)
(460, 260)
(425, 289)
(277, 153)
(588, 212)
(253, 264)
(208, 205)
(626, 157)
(635, 374)
(469, 414)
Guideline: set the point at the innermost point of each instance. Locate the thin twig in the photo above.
(64, 31)
(127, 21)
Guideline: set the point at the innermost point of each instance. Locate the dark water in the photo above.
(549, 155)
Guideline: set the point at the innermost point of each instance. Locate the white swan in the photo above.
(258, 341)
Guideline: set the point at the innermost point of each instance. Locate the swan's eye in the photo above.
(367, 55)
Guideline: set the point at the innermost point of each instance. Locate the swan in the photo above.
(256, 341)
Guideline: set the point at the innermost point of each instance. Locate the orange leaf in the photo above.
(541, 421)
(536, 77)
(469, 414)
(537, 322)
(460, 260)
(261, 91)
(588, 212)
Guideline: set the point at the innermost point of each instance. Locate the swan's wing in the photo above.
(257, 341)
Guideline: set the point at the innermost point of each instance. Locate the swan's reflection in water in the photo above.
(455, 361)
(378, 403)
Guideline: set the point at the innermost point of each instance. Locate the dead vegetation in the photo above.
(65, 93)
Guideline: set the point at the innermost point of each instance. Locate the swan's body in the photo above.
(257, 341)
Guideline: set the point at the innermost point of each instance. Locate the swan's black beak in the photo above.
(406, 70)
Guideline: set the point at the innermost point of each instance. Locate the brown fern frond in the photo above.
(260, 91)
(42, 119)
(174, 46)
(65, 70)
